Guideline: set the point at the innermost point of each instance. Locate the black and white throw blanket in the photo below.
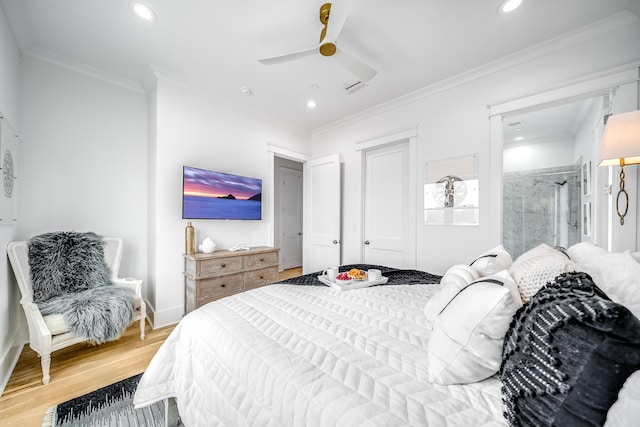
(566, 355)
(70, 277)
(396, 276)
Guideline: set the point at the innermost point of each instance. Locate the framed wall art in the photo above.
(8, 167)
(452, 191)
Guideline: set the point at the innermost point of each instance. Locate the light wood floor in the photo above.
(79, 369)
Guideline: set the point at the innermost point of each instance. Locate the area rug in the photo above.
(109, 406)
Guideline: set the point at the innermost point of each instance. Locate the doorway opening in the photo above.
(288, 211)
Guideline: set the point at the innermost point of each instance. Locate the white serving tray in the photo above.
(356, 284)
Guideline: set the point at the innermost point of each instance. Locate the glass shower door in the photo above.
(541, 206)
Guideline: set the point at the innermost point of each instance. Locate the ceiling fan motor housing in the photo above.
(328, 45)
(326, 49)
(324, 13)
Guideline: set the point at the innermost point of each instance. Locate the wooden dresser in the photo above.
(208, 277)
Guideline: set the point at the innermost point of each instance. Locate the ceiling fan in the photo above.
(333, 16)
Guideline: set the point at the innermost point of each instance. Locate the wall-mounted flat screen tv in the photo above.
(208, 194)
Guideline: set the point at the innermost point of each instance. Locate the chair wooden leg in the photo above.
(45, 361)
(142, 324)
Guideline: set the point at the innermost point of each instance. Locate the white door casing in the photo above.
(622, 83)
(324, 215)
(290, 217)
(387, 217)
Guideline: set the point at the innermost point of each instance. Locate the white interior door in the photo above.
(389, 217)
(323, 228)
(290, 217)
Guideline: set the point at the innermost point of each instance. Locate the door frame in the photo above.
(620, 82)
(278, 221)
(270, 208)
(407, 135)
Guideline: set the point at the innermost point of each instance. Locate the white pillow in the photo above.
(535, 268)
(492, 261)
(456, 278)
(465, 345)
(626, 410)
(616, 273)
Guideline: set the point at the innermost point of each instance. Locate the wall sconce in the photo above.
(621, 146)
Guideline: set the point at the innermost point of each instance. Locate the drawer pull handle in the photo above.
(223, 285)
(261, 277)
(261, 259)
(223, 265)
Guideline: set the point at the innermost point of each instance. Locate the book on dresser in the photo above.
(208, 277)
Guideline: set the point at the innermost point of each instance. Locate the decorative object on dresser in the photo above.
(189, 239)
(80, 271)
(208, 277)
(207, 246)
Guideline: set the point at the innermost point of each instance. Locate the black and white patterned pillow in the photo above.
(567, 354)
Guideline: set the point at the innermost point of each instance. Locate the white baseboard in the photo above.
(9, 361)
(170, 316)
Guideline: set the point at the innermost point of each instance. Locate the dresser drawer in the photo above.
(208, 277)
(261, 260)
(217, 266)
(256, 278)
(218, 287)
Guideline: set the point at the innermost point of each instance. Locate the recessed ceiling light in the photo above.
(518, 138)
(508, 6)
(143, 11)
(312, 104)
(246, 91)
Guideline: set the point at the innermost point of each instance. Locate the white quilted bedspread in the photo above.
(286, 355)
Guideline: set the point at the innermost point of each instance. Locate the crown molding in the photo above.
(79, 67)
(588, 32)
(15, 18)
(157, 74)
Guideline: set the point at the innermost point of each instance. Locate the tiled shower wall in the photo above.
(537, 210)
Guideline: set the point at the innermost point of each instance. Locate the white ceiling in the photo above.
(559, 122)
(214, 46)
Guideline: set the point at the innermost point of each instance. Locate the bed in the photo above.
(417, 351)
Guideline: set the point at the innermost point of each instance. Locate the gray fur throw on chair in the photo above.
(70, 277)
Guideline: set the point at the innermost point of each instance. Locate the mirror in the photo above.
(546, 194)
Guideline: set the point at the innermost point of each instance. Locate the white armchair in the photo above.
(50, 333)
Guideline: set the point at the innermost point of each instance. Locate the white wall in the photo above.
(83, 160)
(538, 155)
(452, 120)
(11, 336)
(196, 130)
(587, 147)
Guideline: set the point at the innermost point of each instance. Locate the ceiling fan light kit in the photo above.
(332, 16)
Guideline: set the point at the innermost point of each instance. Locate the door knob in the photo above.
(366, 242)
(335, 242)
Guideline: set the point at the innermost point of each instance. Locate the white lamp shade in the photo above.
(621, 140)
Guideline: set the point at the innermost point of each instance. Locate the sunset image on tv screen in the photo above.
(215, 195)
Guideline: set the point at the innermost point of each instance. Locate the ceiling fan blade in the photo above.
(337, 18)
(357, 67)
(289, 56)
